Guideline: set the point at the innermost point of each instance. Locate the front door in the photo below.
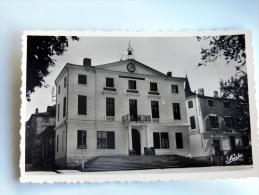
(216, 145)
(136, 141)
(232, 142)
(133, 110)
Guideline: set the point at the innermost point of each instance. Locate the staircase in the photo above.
(118, 163)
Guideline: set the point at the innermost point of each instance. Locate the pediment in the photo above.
(135, 67)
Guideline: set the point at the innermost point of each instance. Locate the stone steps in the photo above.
(116, 163)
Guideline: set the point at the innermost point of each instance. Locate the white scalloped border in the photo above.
(147, 175)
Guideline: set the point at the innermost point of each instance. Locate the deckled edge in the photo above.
(148, 175)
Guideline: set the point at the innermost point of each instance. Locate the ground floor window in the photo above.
(245, 140)
(105, 140)
(161, 140)
(179, 140)
(81, 139)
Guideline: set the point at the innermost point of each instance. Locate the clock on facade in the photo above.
(131, 67)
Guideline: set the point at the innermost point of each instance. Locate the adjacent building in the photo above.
(120, 108)
(214, 124)
(36, 128)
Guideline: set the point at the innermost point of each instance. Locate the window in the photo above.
(153, 86)
(232, 141)
(110, 107)
(190, 104)
(228, 122)
(82, 79)
(226, 104)
(176, 111)
(58, 111)
(109, 82)
(65, 82)
(179, 140)
(210, 103)
(164, 140)
(105, 140)
(245, 141)
(192, 120)
(81, 139)
(64, 106)
(82, 104)
(57, 142)
(59, 89)
(161, 140)
(214, 121)
(63, 140)
(132, 84)
(155, 109)
(174, 88)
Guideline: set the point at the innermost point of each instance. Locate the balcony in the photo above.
(138, 118)
(109, 118)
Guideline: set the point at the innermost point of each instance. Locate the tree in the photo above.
(40, 52)
(232, 48)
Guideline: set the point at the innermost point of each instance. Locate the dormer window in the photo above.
(109, 82)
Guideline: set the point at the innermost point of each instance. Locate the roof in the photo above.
(48, 131)
(103, 66)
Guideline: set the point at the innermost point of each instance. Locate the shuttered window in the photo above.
(192, 120)
(109, 82)
(65, 82)
(81, 139)
(179, 140)
(110, 140)
(64, 106)
(176, 111)
(164, 140)
(110, 107)
(210, 103)
(153, 86)
(155, 109)
(174, 88)
(190, 104)
(161, 140)
(105, 140)
(82, 104)
(156, 139)
(58, 112)
(214, 121)
(228, 121)
(82, 79)
(132, 84)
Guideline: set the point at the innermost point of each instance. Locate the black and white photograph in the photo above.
(132, 104)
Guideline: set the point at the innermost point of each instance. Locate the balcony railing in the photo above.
(110, 118)
(138, 118)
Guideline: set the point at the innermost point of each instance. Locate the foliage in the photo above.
(40, 52)
(232, 48)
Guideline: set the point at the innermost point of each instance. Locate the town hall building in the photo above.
(120, 108)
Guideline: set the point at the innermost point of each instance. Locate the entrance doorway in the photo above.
(216, 145)
(133, 110)
(136, 141)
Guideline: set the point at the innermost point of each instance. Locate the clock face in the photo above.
(131, 67)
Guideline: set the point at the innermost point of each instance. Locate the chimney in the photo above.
(216, 94)
(87, 62)
(201, 91)
(169, 74)
(37, 110)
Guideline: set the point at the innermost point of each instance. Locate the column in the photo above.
(147, 137)
(130, 137)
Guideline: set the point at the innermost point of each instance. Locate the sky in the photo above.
(180, 55)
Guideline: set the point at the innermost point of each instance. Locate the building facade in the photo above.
(35, 126)
(214, 127)
(120, 108)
